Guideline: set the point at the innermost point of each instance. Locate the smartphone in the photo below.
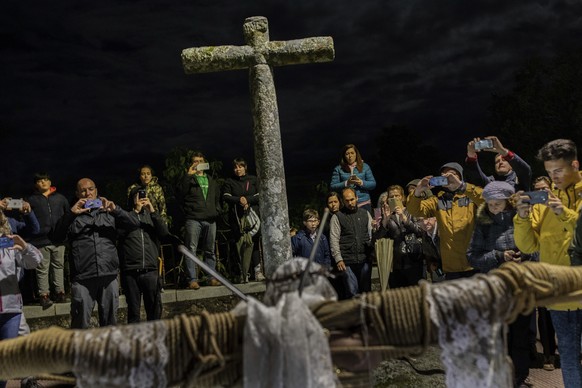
(93, 204)
(538, 196)
(141, 194)
(6, 242)
(438, 181)
(15, 204)
(485, 144)
(394, 203)
(202, 167)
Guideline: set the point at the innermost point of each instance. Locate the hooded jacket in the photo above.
(48, 210)
(138, 244)
(551, 234)
(492, 236)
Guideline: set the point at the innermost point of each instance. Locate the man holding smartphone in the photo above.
(549, 228)
(92, 233)
(454, 207)
(200, 197)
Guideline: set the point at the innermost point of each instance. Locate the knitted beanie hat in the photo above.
(497, 190)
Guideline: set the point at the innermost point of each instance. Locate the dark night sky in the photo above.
(96, 88)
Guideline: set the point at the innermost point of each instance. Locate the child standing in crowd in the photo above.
(302, 243)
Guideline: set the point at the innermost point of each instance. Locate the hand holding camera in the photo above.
(14, 203)
(454, 181)
(354, 180)
(13, 241)
(108, 205)
(555, 203)
(535, 197)
(79, 207)
(145, 202)
(422, 186)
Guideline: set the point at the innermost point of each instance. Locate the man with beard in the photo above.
(350, 242)
(454, 208)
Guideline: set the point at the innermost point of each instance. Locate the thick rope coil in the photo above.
(206, 350)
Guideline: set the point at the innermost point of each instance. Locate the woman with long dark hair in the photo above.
(353, 172)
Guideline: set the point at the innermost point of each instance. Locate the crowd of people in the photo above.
(444, 227)
(460, 223)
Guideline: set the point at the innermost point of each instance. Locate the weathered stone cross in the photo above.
(258, 56)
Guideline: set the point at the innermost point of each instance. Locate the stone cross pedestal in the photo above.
(259, 55)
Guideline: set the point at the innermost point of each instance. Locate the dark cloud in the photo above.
(97, 88)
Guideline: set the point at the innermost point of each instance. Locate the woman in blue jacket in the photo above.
(353, 172)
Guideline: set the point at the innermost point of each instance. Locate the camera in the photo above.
(539, 196)
(141, 194)
(438, 181)
(6, 242)
(93, 204)
(484, 144)
(15, 204)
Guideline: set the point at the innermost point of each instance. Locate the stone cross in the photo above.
(259, 55)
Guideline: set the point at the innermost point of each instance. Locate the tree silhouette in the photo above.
(403, 154)
(545, 103)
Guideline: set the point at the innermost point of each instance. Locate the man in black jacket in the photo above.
(138, 254)
(200, 197)
(91, 230)
(49, 206)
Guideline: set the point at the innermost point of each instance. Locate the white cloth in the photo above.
(473, 351)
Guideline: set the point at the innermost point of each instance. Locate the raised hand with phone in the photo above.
(508, 166)
(454, 209)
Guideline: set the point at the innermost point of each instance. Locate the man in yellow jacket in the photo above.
(454, 208)
(548, 228)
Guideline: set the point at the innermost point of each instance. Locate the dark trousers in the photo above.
(547, 332)
(459, 275)
(363, 272)
(518, 341)
(138, 283)
(405, 277)
(84, 294)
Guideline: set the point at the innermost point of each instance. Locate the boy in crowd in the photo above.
(302, 243)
